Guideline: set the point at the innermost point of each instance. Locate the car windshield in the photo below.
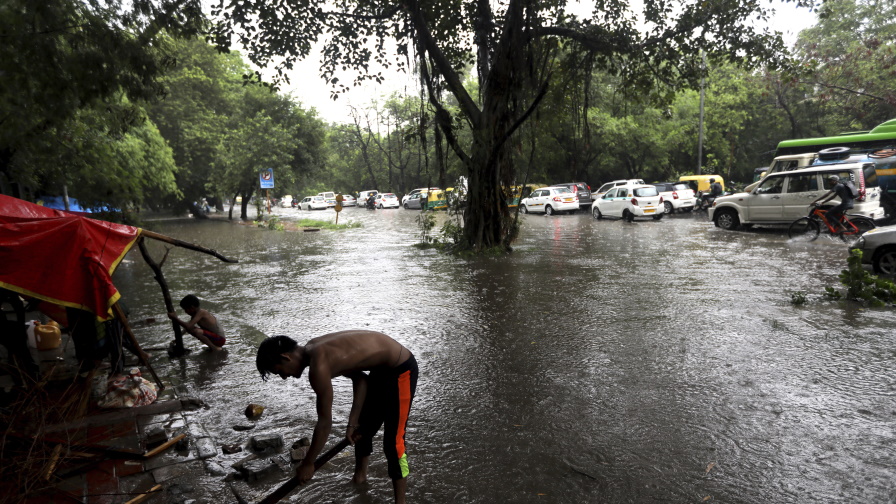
(562, 190)
(643, 192)
(680, 187)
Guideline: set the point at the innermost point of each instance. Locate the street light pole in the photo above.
(700, 134)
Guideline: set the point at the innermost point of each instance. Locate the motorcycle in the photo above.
(371, 203)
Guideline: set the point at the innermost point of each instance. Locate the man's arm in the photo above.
(186, 325)
(359, 392)
(322, 384)
(829, 195)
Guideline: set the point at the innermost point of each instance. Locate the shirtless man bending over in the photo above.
(384, 379)
(202, 325)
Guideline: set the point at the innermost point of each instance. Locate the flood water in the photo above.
(602, 361)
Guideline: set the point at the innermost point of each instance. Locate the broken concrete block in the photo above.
(298, 454)
(266, 441)
(243, 427)
(301, 442)
(257, 469)
(156, 435)
(205, 448)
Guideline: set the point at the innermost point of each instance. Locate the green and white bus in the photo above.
(883, 136)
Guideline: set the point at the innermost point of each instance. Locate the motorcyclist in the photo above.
(371, 201)
(715, 190)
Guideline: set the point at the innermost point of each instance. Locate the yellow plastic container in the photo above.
(47, 337)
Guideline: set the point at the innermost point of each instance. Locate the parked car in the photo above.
(349, 200)
(550, 200)
(387, 200)
(629, 202)
(677, 196)
(329, 197)
(416, 191)
(582, 190)
(286, 201)
(878, 248)
(609, 185)
(313, 203)
(415, 201)
(363, 195)
(781, 198)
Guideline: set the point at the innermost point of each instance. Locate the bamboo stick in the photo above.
(142, 497)
(144, 359)
(164, 446)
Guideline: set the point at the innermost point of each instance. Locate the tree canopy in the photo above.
(510, 45)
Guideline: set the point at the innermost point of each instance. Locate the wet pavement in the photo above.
(602, 361)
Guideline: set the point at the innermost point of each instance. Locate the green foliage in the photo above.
(864, 287)
(798, 298)
(426, 221)
(311, 223)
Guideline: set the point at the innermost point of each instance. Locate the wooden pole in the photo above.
(166, 295)
(142, 497)
(180, 243)
(144, 359)
(293, 482)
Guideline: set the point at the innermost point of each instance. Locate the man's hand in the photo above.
(172, 315)
(305, 471)
(352, 434)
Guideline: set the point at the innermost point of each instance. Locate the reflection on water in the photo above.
(602, 361)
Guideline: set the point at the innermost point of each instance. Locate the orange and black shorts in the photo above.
(390, 393)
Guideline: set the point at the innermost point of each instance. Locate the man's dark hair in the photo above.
(270, 353)
(189, 301)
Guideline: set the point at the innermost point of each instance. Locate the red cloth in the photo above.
(61, 257)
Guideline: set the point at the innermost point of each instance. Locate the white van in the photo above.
(785, 163)
(783, 197)
(329, 197)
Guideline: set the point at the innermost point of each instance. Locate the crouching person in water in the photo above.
(202, 325)
(382, 394)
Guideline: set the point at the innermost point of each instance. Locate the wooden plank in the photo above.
(164, 446)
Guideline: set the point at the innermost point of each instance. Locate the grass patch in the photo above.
(311, 223)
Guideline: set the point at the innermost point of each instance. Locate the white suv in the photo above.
(783, 197)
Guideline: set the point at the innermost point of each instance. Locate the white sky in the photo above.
(308, 88)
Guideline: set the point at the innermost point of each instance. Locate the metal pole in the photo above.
(700, 137)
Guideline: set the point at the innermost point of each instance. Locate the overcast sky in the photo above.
(308, 88)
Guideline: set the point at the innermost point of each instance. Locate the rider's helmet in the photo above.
(834, 178)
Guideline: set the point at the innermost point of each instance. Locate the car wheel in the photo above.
(884, 262)
(524, 209)
(727, 219)
(596, 213)
(667, 208)
(549, 210)
(628, 216)
(406, 206)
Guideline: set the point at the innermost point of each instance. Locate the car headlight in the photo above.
(859, 244)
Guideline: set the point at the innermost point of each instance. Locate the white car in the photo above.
(878, 248)
(313, 203)
(286, 201)
(387, 200)
(550, 200)
(677, 196)
(329, 197)
(349, 200)
(629, 202)
(609, 185)
(784, 197)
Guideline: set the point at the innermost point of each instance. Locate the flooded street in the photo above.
(602, 361)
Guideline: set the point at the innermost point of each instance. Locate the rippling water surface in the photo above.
(602, 361)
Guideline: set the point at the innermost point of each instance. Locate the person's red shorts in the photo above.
(216, 340)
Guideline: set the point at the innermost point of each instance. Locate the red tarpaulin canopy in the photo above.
(59, 257)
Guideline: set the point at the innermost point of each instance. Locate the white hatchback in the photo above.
(550, 200)
(387, 200)
(629, 202)
(313, 203)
